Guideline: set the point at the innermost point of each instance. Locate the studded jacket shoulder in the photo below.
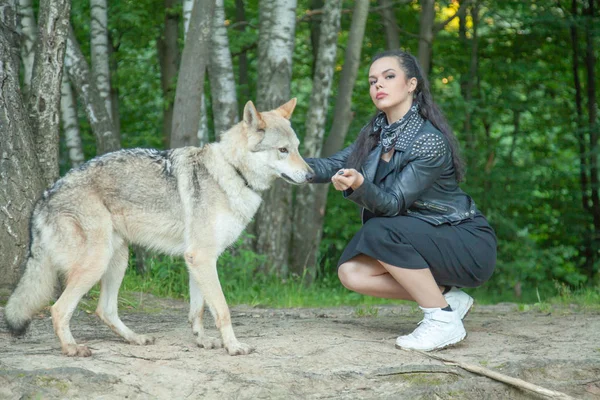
(421, 184)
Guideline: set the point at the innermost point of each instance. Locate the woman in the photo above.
(422, 237)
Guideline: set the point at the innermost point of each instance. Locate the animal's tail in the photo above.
(33, 292)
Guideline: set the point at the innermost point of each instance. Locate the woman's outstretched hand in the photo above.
(347, 178)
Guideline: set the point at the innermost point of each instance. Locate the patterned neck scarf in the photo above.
(407, 127)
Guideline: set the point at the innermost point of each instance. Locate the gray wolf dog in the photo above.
(188, 201)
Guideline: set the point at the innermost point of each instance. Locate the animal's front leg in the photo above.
(203, 268)
(196, 314)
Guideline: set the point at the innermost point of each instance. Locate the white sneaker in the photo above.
(459, 301)
(438, 329)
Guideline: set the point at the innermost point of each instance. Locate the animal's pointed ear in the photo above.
(287, 109)
(252, 117)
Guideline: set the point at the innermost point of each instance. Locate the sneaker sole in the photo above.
(449, 343)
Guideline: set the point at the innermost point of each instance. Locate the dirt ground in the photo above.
(337, 353)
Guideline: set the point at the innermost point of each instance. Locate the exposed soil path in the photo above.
(335, 353)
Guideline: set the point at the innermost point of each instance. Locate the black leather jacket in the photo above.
(421, 184)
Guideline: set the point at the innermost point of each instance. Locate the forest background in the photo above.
(516, 79)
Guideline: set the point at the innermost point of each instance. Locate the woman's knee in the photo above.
(350, 275)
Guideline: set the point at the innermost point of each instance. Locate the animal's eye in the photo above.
(283, 150)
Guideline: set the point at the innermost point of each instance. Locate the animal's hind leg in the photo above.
(83, 274)
(107, 308)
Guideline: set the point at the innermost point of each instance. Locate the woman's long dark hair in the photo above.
(367, 139)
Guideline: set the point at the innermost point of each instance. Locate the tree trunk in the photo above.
(464, 42)
(190, 83)
(68, 112)
(99, 49)
(306, 234)
(188, 6)
(20, 175)
(44, 97)
(469, 83)
(590, 66)
(426, 21)
(95, 109)
(202, 135)
(28, 33)
(315, 27)
(168, 55)
(276, 46)
(583, 164)
(342, 114)
(243, 81)
(220, 72)
(390, 25)
(114, 91)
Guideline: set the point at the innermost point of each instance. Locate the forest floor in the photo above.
(302, 353)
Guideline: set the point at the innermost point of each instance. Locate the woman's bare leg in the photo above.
(420, 285)
(366, 275)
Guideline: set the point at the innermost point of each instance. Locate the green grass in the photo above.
(244, 283)
(247, 287)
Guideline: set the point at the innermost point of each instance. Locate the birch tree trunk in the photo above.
(276, 46)
(188, 5)
(220, 72)
(20, 176)
(307, 232)
(390, 25)
(28, 33)
(95, 109)
(70, 125)
(426, 22)
(203, 134)
(44, 96)
(342, 114)
(190, 83)
(99, 49)
(168, 54)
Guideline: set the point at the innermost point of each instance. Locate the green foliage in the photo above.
(523, 165)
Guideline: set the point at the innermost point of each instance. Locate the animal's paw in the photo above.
(209, 342)
(238, 349)
(197, 327)
(142, 340)
(74, 350)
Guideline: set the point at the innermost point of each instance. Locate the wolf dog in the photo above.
(190, 201)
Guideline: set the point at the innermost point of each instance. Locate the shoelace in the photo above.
(425, 327)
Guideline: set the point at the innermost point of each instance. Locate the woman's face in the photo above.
(390, 91)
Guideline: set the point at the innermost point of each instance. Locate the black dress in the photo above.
(462, 255)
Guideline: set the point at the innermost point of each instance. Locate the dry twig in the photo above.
(520, 383)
